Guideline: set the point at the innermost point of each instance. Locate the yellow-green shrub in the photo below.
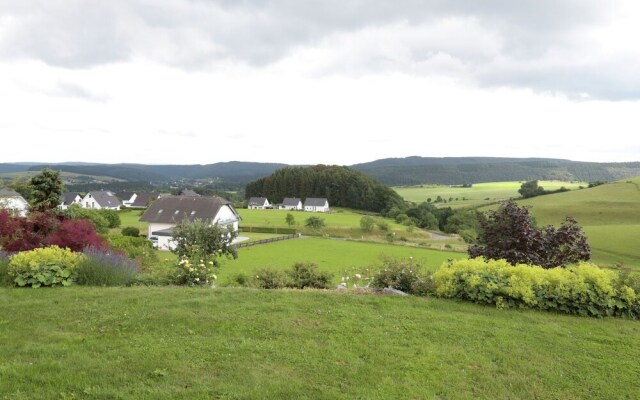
(584, 289)
(48, 266)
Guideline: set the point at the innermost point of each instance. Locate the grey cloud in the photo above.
(198, 34)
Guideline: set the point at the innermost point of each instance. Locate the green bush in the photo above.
(404, 275)
(305, 275)
(268, 278)
(105, 268)
(49, 266)
(137, 248)
(131, 231)
(584, 289)
(112, 217)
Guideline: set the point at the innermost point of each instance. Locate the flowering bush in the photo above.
(101, 267)
(50, 266)
(195, 273)
(404, 275)
(357, 278)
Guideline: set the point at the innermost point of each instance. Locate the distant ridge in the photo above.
(390, 171)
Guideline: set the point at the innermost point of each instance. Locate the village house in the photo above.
(69, 198)
(166, 212)
(101, 200)
(136, 199)
(14, 202)
(316, 204)
(291, 203)
(258, 203)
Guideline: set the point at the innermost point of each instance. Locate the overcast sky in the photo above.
(328, 81)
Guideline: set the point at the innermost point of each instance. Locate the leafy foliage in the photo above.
(199, 240)
(306, 275)
(584, 289)
(101, 267)
(51, 266)
(342, 186)
(404, 275)
(367, 223)
(531, 189)
(101, 219)
(46, 190)
(195, 273)
(268, 278)
(314, 222)
(76, 234)
(290, 219)
(509, 233)
(136, 248)
(131, 231)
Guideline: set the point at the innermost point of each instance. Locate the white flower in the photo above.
(197, 279)
(343, 279)
(358, 276)
(214, 277)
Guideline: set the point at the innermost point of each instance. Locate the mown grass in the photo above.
(339, 218)
(176, 343)
(477, 195)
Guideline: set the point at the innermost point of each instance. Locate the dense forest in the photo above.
(342, 186)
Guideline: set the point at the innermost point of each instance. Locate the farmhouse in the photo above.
(316, 204)
(258, 203)
(13, 202)
(291, 203)
(166, 212)
(101, 200)
(69, 198)
(137, 199)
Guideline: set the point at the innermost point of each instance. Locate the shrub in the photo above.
(314, 223)
(305, 275)
(382, 225)
(195, 273)
(367, 223)
(402, 275)
(584, 289)
(199, 240)
(76, 234)
(50, 266)
(130, 231)
(101, 267)
(137, 248)
(112, 217)
(4, 266)
(267, 278)
(241, 280)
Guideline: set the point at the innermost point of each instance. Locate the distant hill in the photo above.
(460, 170)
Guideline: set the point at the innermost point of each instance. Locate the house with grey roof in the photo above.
(101, 200)
(137, 199)
(258, 203)
(166, 212)
(189, 192)
(69, 198)
(14, 202)
(316, 204)
(291, 203)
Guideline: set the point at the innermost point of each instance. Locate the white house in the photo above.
(291, 203)
(316, 204)
(101, 200)
(14, 202)
(137, 199)
(69, 198)
(166, 212)
(258, 203)
(127, 198)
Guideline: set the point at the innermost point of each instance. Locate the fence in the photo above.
(270, 240)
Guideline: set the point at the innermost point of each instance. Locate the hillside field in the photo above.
(477, 195)
(609, 214)
(177, 343)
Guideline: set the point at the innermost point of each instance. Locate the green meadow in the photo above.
(331, 255)
(178, 343)
(477, 195)
(609, 214)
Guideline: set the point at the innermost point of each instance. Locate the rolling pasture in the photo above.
(477, 195)
(609, 214)
(177, 343)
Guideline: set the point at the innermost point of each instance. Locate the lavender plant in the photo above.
(106, 268)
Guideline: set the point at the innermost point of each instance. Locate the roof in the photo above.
(174, 209)
(189, 192)
(9, 193)
(125, 195)
(105, 198)
(257, 201)
(143, 199)
(315, 202)
(68, 198)
(291, 201)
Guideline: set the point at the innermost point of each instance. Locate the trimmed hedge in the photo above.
(584, 289)
(264, 229)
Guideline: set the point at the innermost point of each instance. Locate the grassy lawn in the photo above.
(340, 218)
(480, 193)
(176, 343)
(329, 254)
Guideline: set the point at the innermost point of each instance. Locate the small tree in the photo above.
(367, 223)
(46, 190)
(314, 222)
(198, 240)
(509, 233)
(290, 219)
(531, 189)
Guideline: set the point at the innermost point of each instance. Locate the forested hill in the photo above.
(342, 186)
(460, 170)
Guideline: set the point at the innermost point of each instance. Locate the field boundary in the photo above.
(270, 240)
